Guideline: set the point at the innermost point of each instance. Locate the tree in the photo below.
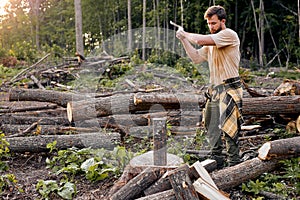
(78, 27)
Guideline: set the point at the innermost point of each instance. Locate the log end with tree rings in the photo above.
(263, 151)
(298, 124)
(69, 111)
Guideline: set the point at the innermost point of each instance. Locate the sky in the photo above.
(2, 3)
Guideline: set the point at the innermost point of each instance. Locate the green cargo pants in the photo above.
(214, 136)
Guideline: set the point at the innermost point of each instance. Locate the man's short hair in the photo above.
(215, 10)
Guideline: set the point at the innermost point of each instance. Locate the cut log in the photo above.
(133, 103)
(271, 105)
(280, 148)
(182, 184)
(231, 177)
(17, 119)
(59, 98)
(39, 143)
(13, 108)
(138, 184)
(10, 129)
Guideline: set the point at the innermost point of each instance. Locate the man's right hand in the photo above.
(180, 33)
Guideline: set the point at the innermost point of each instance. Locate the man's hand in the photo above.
(180, 34)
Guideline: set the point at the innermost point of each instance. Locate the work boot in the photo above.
(219, 159)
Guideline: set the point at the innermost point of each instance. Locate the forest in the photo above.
(98, 100)
(268, 30)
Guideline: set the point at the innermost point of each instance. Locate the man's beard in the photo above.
(218, 30)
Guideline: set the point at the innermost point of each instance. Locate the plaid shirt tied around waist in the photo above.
(230, 97)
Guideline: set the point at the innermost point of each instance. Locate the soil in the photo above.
(29, 168)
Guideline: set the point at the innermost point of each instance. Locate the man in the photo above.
(223, 108)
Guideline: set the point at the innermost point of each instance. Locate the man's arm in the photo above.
(198, 39)
(191, 51)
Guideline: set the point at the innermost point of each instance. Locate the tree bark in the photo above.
(279, 148)
(182, 184)
(11, 129)
(233, 176)
(129, 103)
(39, 143)
(138, 184)
(59, 98)
(17, 119)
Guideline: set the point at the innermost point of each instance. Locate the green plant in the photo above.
(8, 182)
(4, 152)
(286, 183)
(65, 190)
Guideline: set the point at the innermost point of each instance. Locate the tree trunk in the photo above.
(12, 129)
(59, 98)
(280, 148)
(129, 42)
(39, 143)
(130, 103)
(16, 119)
(233, 176)
(78, 27)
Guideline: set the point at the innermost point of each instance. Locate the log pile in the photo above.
(199, 180)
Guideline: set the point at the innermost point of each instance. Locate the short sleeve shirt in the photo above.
(223, 58)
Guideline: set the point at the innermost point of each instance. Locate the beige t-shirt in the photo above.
(223, 58)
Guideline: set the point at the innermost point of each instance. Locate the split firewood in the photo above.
(164, 184)
(85, 140)
(138, 184)
(182, 184)
(288, 87)
(207, 191)
(280, 148)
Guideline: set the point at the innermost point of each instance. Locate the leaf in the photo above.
(67, 191)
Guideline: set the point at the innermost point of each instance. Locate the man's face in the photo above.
(214, 24)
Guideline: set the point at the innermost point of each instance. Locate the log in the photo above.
(39, 143)
(138, 184)
(231, 177)
(271, 105)
(133, 103)
(159, 142)
(17, 119)
(130, 103)
(280, 148)
(10, 129)
(13, 107)
(59, 98)
(182, 184)
(298, 124)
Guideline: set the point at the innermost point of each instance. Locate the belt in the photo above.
(233, 83)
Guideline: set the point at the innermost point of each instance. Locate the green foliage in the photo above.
(24, 51)
(8, 182)
(286, 183)
(47, 189)
(4, 152)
